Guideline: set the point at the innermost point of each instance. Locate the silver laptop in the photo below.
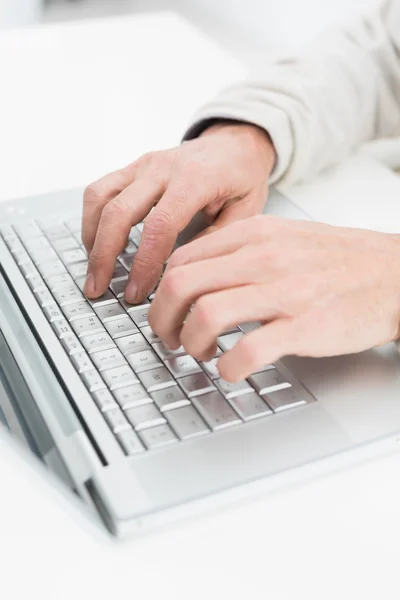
(142, 434)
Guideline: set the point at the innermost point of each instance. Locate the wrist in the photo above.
(258, 139)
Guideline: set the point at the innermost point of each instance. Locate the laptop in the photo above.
(142, 434)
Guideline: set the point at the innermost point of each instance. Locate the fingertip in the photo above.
(89, 288)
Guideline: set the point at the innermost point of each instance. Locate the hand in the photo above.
(318, 290)
(224, 173)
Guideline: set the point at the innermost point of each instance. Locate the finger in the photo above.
(181, 201)
(96, 196)
(239, 209)
(264, 346)
(225, 241)
(117, 218)
(182, 286)
(215, 313)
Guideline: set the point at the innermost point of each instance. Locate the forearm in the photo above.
(342, 91)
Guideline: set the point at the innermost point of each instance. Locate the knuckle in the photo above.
(116, 209)
(144, 160)
(172, 284)
(147, 267)
(96, 258)
(178, 258)
(157, 223)
(205, 312)
(92, 193)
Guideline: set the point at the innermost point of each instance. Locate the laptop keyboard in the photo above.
(149, 395)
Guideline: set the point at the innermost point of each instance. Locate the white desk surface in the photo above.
(79, 100)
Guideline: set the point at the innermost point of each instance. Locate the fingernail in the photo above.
(131, 291)
(89, 287)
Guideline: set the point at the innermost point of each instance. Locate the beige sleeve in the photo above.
(343, 90)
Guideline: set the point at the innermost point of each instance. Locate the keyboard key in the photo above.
(143, 417)
(28, 269)
(7, 231)
(195, 385)
(245, 327)
(67, 295)
(165, 353)
(250, 406)
(268, 381)
(149, 334)
(104, 400)
(80, 282)
(49, 221)
(81, 362)
(226, 342)
(211, 368)
(67, 243)
(53, 313)
(139, 316)
(136, 307)
(92, 380)
(50, 269)
(74, 225)
(54, 232)
(128, 307)
(187, 423)
(132, 343)
(21, 257)
(78, 310)
(118, 286)
(70, 257)
(108, 359)
(42, 255)
(231, 390)
(78, 269)
(158, 436)
(37, 243)
(44, 297)
(119, 377)
(170, 398)
(71, 344)
(144, 360)
(59, 281)
(14, 244)
(118, 272)
(97, 341)
(78, 236)
(131, 396)
(126, 260)
(183, 365)
(130, 442)
(87, 325)
(62, 328)
(109, 312)
(27, 230)
(156, 379)
(135, 236)
(35, 282)
(104, 300)
(216, 411)
(116, 420)
(131, 248)
(121, 327)
(283, 399)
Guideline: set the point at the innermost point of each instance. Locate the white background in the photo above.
(70, 111)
